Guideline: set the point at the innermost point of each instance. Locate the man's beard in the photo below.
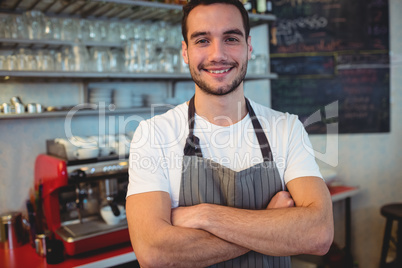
(220, 91)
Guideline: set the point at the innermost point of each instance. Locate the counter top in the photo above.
(25, 256)
(341, 192)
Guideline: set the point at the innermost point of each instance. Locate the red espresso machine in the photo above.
(74, 193)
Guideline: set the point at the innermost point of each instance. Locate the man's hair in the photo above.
(194, 3)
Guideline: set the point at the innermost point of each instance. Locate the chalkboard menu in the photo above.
(332, 51)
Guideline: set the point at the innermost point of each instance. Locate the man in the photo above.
(208, 178)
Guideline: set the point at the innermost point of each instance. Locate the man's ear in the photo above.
(249, 47)
(184, 51)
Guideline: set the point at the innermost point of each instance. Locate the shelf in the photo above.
(87, 112)
(6, 75)
(46, 43)
(110, 9)
(94, 75)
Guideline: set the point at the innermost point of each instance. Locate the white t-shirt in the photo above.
(156, 151)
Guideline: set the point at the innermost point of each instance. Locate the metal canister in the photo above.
(39, 107)
(12, 233)
(31, 108)
(16, 99)
(40, 245)
(6, 108)
(19, 108)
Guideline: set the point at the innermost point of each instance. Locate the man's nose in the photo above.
(217, 52)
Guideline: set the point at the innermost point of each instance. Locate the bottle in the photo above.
(261, 6)
(270, 7)
(247, 5)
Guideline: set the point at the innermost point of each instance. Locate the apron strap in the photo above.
(192, 146)
(259, 132)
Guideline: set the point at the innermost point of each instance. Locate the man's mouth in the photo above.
(219, 71)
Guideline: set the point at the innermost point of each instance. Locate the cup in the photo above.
(100, 59)
(56, 28)
(48, 26)
(3, 62)
(80, 57)
(102, 30)
(110, 218)
(114, 32)
(116, 60)
(58, 58)
(35, 20)
(67, 59)
(11, 62)
(16, 27)
(69, 29)
(94, 33)
(3, 28)
(22, 59)
(133, 55)
(45, 60)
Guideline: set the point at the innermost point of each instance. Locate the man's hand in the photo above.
(281, 199)
(186, 216)
(189, 217)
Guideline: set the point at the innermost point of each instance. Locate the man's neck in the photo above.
(221, 110)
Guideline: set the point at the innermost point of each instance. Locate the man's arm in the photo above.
(306, 228)
(157, 243)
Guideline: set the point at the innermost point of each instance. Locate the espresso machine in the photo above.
(83, 200)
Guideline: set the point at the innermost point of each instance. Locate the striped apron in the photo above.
(205, 181)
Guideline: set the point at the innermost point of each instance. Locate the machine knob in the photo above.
(78, 174)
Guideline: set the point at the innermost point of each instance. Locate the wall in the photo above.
(373, 162)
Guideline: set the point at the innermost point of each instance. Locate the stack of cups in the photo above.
(137, 101)
(97, 95)
(153, 100)
(121, 98)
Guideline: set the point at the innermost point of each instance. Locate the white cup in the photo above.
(110, 218)
(86, 153)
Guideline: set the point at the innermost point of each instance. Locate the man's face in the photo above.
(217, 52)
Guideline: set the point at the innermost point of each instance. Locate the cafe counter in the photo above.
(26, 256)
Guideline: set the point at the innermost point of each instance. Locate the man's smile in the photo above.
(219, 71)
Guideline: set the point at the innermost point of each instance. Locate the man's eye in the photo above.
(231, 39)
(202, 41)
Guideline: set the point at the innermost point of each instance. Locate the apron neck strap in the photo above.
(259, 132)
(192, 146)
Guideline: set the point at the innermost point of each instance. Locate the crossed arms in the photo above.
(205, 234)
